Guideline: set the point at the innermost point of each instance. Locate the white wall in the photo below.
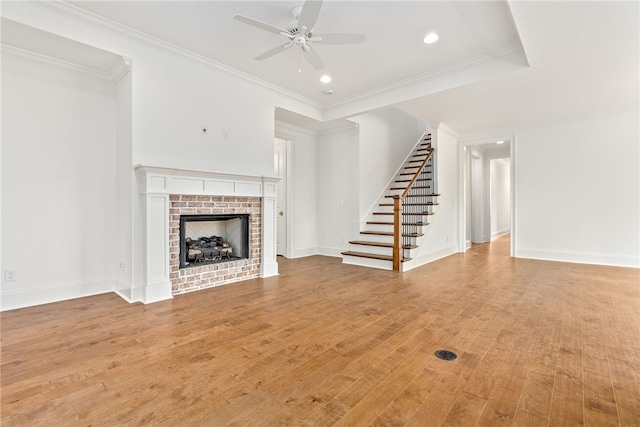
(124, 188)
(578, 191)
(499, 195)
(386, 138)
(173, 100)
(303, 187)
(58, 184)
(338, 192)
(174, 96)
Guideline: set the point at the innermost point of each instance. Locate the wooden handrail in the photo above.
(397, 215)
(418, 172)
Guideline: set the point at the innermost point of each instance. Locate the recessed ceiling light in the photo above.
(328, 92)
(325, 79)
(499, 142)
(430, 38)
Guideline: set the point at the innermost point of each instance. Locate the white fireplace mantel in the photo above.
(157, 183)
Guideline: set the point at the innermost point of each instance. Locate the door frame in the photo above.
(464, 150)
(289, 219)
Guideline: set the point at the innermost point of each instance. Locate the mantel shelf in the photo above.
(164, 180)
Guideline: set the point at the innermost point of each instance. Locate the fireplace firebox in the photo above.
(213, 238)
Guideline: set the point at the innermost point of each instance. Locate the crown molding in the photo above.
(291, 127)
(512, 53)
(345, 128)
(122, 31)
(446, 128)
(29, 57)
(493, 133)
(120, 69)
(508, 58)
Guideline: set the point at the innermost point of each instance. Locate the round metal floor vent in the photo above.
(446, 355)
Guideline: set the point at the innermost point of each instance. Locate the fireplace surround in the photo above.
(167, 192)
(187, 209)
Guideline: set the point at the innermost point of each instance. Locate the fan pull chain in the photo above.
(300, 60)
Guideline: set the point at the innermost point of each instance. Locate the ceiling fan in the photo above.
(300, 33)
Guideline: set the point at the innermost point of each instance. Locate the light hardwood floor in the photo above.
(539, 343)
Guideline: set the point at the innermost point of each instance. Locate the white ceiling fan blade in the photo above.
(313, 58)
(339, 38)
(309, 14)
(259, 24)
(272, 52)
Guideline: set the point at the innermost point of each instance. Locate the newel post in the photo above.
(397, 232)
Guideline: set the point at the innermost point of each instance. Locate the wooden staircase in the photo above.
(412, 192)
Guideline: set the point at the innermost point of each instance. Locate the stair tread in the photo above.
(416, 213)
(390, 233)
(422, 224)
(373, 256)
(380, 244)
(413, 173)
(415, 186)
(411, 204)
(423, 195)
(417, 180)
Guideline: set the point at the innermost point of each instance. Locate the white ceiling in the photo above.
(581, 57)
(584, 59)
(393, 52)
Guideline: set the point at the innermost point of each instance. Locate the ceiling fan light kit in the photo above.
(300, 33)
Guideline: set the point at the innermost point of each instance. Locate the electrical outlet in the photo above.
(10, 275)
(226, 135)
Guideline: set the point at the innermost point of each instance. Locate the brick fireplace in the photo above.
(195, 277)
(166, 194)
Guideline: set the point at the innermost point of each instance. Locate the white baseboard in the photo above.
(580, 258)
(268, 269)
(334, 252)
(55, 292)
(467, 244)
(154, 292)
(301, 253)
(500, 233)
(124, 289)
(136, 293)
(427, 258)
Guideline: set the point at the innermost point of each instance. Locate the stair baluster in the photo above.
(408, 217)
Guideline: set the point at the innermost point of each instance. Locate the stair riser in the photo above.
(375, 238)
(367, 262)
(388, 209)
(381, 239)
(385, 213)
(407, 253)
(379, 227)
(371, 249)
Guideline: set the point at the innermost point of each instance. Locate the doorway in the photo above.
(488, 195)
